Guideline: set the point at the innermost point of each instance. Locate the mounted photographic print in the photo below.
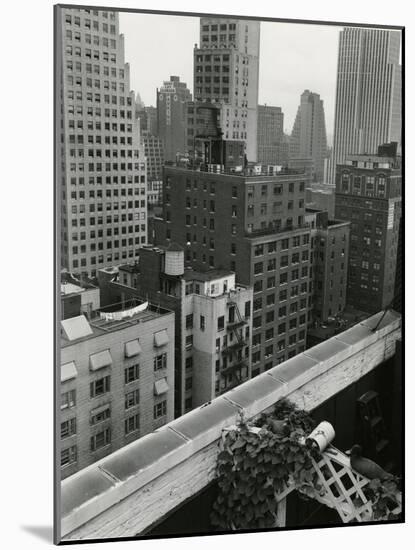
(229, 232)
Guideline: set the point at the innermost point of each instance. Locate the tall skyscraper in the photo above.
(308, 138)
(172, 100)
(368, 94)
(226, 71)
(270, 135)
(369, 194)
(101, 164)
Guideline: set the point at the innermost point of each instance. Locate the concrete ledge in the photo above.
(125, 492)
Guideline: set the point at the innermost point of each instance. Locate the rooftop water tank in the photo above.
(174, 264)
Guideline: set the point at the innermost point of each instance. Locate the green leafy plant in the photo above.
(254, 466)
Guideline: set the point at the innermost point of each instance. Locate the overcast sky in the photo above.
(293, 57)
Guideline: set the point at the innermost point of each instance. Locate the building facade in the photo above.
(154, 153)
(368, 194)
(254, 226)
(213, 320)
(172, 100)
(308, 137)
(117, 381)
(226, 71)
(368, 93)
(270, 134)
(329, 254)
(101, 167)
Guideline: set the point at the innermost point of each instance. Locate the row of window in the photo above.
(259, 286)
(269, 300)
(283, 244)
(92, 39)
(277, 189)
(110, 193)
(76, 51)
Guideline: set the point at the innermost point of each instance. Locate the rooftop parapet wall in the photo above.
(126, 492)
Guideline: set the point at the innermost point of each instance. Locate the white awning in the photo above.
(161, 386)
(132, 348)
(100, 360)
(161, 338)
(68, 371)
(76, 327)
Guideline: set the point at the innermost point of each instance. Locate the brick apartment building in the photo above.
(253, 225)
(329, 253)
(117, 380)
(368, 193)
(213, 320)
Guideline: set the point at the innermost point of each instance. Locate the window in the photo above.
(189, 321)
(68, 399)
(101, 439)
(258, 268)
(160, 361)
(100, 414)
(189, 341)
(247, 309)
(69, 456)
(160, 409)
(188, 383)
(221, 322)
(132, 424)
(100, 386)
(132, 399)
(68, 428)
(132, 373)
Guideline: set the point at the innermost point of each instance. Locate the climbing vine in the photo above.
(258, 461)
(256, 465)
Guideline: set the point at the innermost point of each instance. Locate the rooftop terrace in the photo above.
(109, 319)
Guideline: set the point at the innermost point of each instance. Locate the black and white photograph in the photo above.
(229, 297)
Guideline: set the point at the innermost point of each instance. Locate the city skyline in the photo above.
(282, 47)
(235, 292)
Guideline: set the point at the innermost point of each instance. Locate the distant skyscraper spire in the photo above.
(308, 138)
(368, 94)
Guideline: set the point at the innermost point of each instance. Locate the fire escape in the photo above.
(233, 351)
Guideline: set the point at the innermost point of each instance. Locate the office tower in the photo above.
(100, 163)
(308, 137)
(270, 132)
(368, 193)
(368, 93)
(330, 252)
(213, 320)
(226, 71)
(139, 103)
(154, 153)
(148, 119)
(172, 98)
(252, 224)
(117, 379)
